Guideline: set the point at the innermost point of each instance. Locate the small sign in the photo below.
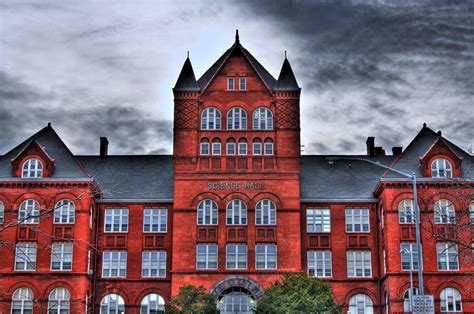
(234, 185)
(423, 304)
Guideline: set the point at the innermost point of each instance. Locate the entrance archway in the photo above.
(236, 294)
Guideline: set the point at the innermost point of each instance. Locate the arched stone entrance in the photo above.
(236, 294)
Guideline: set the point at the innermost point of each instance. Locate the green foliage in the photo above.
(191, 299)
(298, 293)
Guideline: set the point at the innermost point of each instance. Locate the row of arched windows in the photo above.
(236, 212)
(236, 148)
(29, 212)
(444, 212)
(236, 119)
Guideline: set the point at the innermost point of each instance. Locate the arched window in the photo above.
(242, 147)
(444, 212)
(407, 298)
(211, 119)
(360, 304)
(230, 147)
(237, 119)
(406, 212)
(22, 301)
(262, 119)
(2, 212)
(112, 304)
(32, 168)
(64, 212)
(207, 213)
(59, 301)
(152, 304)
(268, 147)
(204, 147)
(441, 168)
(450, 300)
(257, 147)
(236, 213)
(216, 146)
(29, 212)
(265, 213)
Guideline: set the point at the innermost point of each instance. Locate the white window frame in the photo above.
(236, 213)
(64, 212)
(2, 212)
(26, 255)
(257, 149)
(154, 261)
(444, 212)
(29, 212)
(32, 168)
(236, 119)
(267, 256)
(152, 303)
(122, 213)
(59, 301)
(262, 119)
(268, 149)
(204, 148)
(265, 213)
(319, 217)
(407, 296)
(156, 217)
(358, 300)
(230, 152)
(230, 84)
(210, 207)
(242, 146)
(242, 82)
(441, 168)
(211, 119)
(382, 217)
(62, 254)
(22, 300)
(447, 254)
(208, 256)
(450, 295)
(471, 212)
(113, 303)
(356, 217)
(359, 260)
(411, 259)
(234, 259)
(120, 262)
(319, 263)
(406, 211)
(216, 148)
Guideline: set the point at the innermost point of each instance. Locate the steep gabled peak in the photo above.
(287, 80)
(187, 80)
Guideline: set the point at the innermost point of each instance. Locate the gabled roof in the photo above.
(186, 80)
(286, 80)
(66, 165)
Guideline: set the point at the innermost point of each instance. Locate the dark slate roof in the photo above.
(65, 166)
(186, 80)
(132, 177)
(286, 80)
(344, 179)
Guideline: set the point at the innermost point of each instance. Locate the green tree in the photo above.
(298, 293)
(191, 299)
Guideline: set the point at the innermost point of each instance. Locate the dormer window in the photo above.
(441, 168)
(32, 168)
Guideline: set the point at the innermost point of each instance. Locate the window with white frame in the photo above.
(237, 119)
(382, 217)
(230, 83)
(216, 147)
(265, 213)
(471, 212)
(450, 300)
(154, 264)
(152, 304)
(204, 147)
(112, 304)
(444, 212)
(206, 256)
(25, 256)
(447, 256)
(361, 304)
(64, 212)
(242, 146)
(407, 296)
(384, 256)
(114, 264)
(262, 119)
(409, 256)
(29, 212)
(320, 263)
(257, 147)
(2, 212)
(22, 301)
(318, 220)
(211, 119)
(155, 219)
(207, 212)
(32, 168)
(89, 270)
(116, 220)
(243, 83)
(268, 147)
(59, 301)
(230, 147)
(357, 220)
(236, 213)
(441, 168)
(406, 212)
(266, 256)
(236, 256)
(61, 256)
(359, 264)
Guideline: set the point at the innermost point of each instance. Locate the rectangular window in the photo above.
(216, 148)
(114, 264)
(447, 256)
(236, 256)
(242, 148)
(89, 269)
(266, 256)
(206, 256)
(409, 255)
(155, 219)
(357, 220)
(61, 256)
(2, 212)
(257, 148)
(25, 256)
(230, 150)
(116, 220)
(318, 220)
(320, 263)
(268, 149)
(243, 83)
(359, 264)
(204, 149)
(154, 264)
(230, 83)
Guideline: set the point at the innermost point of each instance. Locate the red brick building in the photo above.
(234, 208)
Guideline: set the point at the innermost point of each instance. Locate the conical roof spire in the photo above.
(287, 80)
(186, 80)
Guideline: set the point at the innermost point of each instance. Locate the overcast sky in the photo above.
(106, 68)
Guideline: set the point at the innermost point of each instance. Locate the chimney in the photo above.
(379, 151)
(397, 150)
(370, 146)
(104, 147)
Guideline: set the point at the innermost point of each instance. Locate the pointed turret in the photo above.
(287, 80)
(187, 80)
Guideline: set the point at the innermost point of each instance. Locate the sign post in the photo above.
(423, 304)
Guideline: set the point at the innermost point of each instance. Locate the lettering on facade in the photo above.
(234, 185)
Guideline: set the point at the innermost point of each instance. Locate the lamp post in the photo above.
(405, 251)
(331, 160)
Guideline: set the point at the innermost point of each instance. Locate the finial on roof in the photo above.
(439, 133)
(424, 125)
(49, 123)
(237, 36)
(188, 54)
(285, 54)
